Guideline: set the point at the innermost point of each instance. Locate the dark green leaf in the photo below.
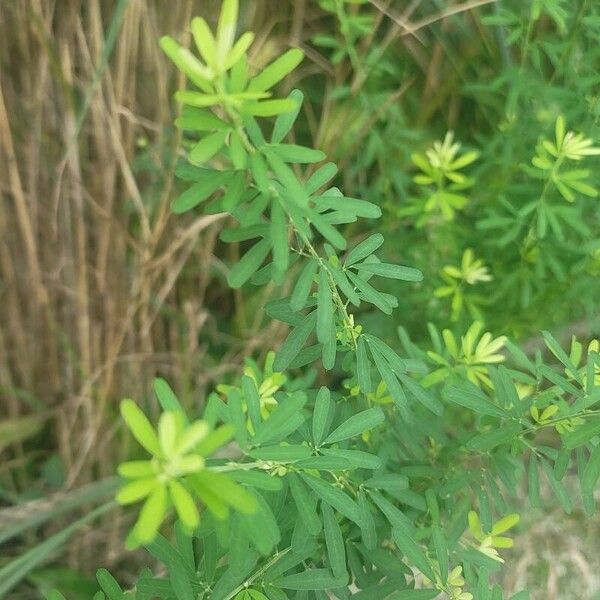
(303, 285)
(324, 307)
(390, 271)
(249, 264)
(320, 177)
(470, 396)
(311, 579)
(278, 423)
(285, 121)
(200, 191)
(334, 496)
(356, 424)
(364, 249)
(294, 342)
(334, 540)
(589, 478)
(363, 366)
(279, 238)
(304, 504)
(413, 552)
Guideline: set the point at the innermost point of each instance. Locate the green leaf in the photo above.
(166, 396)
(251, 399)
(249, 264)
(311, 579)
(330, 233)
(136, 490)
(224, 488)
(363, 366)
(356, 425)
(421, 394)
(303, 285)
(357, 458)
(334, 541)
(226, 27)
(180, 581)
(358, 208)
(413, 552)
(468, 395)
(205, 41)
(320, 177)
(496, 437)
(184, 505)
(109, 585)
(151, 516)
(292, 153)
(215, 439)
(320, 415)
(268, 108)
(281, 453)
(276, 71)
(279, 238)
(140, 427)
(556, 349)
(364, 249)
(441, 551)
(295, 342)
(533, 482)
(234, 193)
(285, 121)
(582, 435)
(389, 379)
(258, 169)
(238, 51)
(343, 284)
(278, 423)
(395, 362)
(258, 480)
(398, 520)
(187, 63)
(334, 496)
(200, 191)
(206, 148)
(325, 463)
(367, 528)
(324, 307)
(370, 294)
(198, 99)
(391, 482)
(390, 271)
(415, 594)
(304, 504)
(558, 488)
(293, 188)
(589, 479)
(261, 527)
(200, 119)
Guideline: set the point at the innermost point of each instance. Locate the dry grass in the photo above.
(101, 288)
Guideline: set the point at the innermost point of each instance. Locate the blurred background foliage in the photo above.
(102, 289)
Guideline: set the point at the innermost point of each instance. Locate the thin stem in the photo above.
(277, 557)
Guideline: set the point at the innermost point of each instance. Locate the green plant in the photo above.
(330, 493)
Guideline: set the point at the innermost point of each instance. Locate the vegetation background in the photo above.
(102, 289)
